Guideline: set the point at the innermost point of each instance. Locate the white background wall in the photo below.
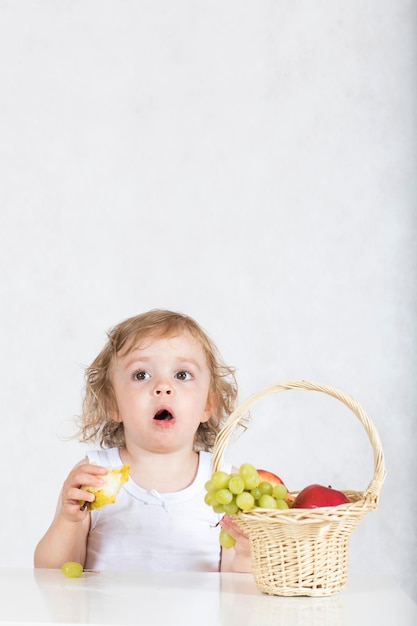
(249, 163)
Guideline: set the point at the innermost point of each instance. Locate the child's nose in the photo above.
(163, 388)
(162, 391)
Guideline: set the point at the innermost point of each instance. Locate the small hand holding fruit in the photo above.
(314, 496)
(106, 494)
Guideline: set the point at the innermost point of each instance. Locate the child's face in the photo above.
(162, 393)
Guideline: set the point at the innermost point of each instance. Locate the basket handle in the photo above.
(374, 488)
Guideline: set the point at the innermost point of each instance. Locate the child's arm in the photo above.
(238, 558)
(66, 538)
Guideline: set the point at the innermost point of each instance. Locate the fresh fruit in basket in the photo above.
(244, 490)
(277, 484)
(291, 548)
(270, 477)
(107, 494)
(314, 496)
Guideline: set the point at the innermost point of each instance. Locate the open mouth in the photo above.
(163, 415)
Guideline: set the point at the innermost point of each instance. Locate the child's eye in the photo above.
(141, 375)
(183, 375)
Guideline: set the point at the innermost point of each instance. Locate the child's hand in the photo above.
(73, 496)
(242, 558)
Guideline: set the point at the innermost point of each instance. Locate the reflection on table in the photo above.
(48, 597)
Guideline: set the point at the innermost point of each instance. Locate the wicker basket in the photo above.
(304, 552)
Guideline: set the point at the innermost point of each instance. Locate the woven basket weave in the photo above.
(304, 552)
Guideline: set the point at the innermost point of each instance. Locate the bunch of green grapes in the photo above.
(242, 491)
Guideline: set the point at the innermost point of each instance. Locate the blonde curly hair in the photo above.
(96, 424)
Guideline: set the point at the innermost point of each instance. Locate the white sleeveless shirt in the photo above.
(145, 530)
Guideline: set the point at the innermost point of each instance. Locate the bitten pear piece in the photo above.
(113, 480)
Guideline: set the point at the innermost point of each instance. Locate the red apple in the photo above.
(314, 496)
(269, 477)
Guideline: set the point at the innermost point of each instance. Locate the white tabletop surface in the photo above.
(153, 599)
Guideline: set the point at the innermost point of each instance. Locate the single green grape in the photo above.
(265, 487)
(220, 479)
(218, 508)
(245, 501)
(226, 540)
(231, 507)
(256, 493)
(249, 474)
(267, 501)
(210, 498)
(210, 486)
(224, 496)
(72, 569)
(236, 484)
(279, 491)
(281, 504)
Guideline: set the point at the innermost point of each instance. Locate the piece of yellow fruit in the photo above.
(113, 480)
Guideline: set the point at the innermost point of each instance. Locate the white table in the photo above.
(191, 599)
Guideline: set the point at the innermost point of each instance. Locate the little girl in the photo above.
(156, 397)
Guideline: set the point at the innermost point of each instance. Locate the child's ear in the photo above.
(113, 411)
(209, 408)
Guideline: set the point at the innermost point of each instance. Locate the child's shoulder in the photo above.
(206, 461)
(107, 457)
